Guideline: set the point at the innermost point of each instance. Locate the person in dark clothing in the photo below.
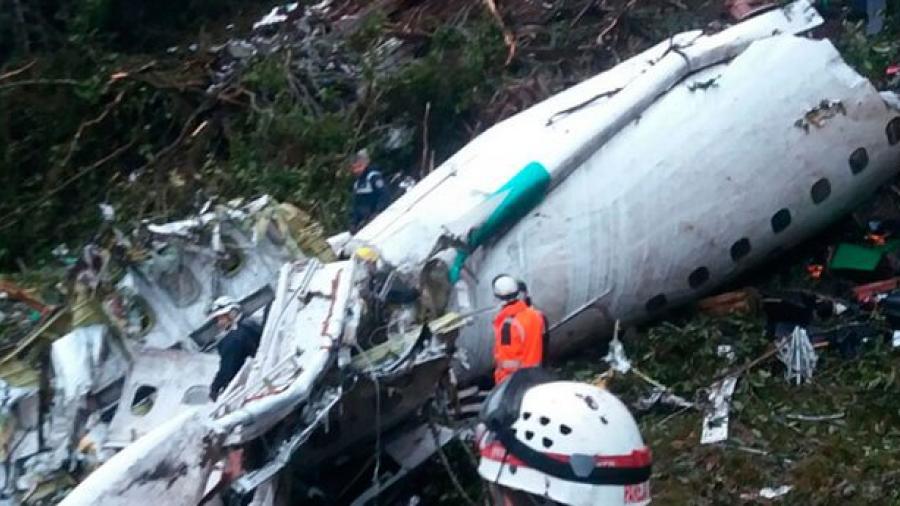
(371, 194)
(240, 342)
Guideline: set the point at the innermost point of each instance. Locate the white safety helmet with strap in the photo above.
(505, 287)
(222, 306)
(574, 443)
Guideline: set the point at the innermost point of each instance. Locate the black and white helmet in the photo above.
(574, 443)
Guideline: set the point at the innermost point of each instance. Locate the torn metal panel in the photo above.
(414, 447)
(409, 450)
(300, 341)
(715, 421)
(178, 290)
(87, 360)
(168, 466)
(233, 250)
(161, 385)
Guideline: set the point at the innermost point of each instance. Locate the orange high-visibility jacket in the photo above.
(518, 339)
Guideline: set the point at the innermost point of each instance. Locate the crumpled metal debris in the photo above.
(715, 420)
(661, 396)
(616, 357)
(85, 361)
(798, 355)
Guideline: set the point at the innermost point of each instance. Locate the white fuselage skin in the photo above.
(658, 193)
(702, 184)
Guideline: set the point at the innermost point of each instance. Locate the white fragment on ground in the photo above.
(273, 17)
(108, 212)
(725, 351)
(798, 355)
(715, 421)
(767, 493)
(616, 357)
(772, 493)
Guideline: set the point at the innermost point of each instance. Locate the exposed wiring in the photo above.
(446, 462)
(374, 376)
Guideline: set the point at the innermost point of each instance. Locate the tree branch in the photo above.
(14, 73)
(73, 145)
(15, 216)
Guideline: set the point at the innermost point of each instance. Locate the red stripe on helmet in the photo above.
(637, 458)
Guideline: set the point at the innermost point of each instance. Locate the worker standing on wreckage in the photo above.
(239, 343)
(371, 194)
(560, 442)
(520, 331)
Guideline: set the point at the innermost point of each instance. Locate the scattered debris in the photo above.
(715, 419)
(662, 396)
(815, 418)
(317, 353)
(768, 493)
(616, 357)
(860, 258)
(797, 353)
(726, 351)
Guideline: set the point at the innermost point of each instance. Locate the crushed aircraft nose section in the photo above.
(642, 188)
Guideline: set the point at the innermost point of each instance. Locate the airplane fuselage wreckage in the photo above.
(637, 190)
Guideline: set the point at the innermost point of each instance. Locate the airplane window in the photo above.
(656, 303)
(143, 400)
(740, 249)
(698, 277)
(232, 259)
(781, 220)
(820, 191)
(197, 395)
(893, 131)
(859, 159)
(181, 285)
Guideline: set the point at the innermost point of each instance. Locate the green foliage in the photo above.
(456, 74)
(871, 56)
(90, 17)
(266, 76)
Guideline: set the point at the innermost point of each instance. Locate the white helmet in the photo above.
(505, 287)
(223, 305)
(574, 443)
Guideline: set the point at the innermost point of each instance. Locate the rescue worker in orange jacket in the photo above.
(519, 330)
